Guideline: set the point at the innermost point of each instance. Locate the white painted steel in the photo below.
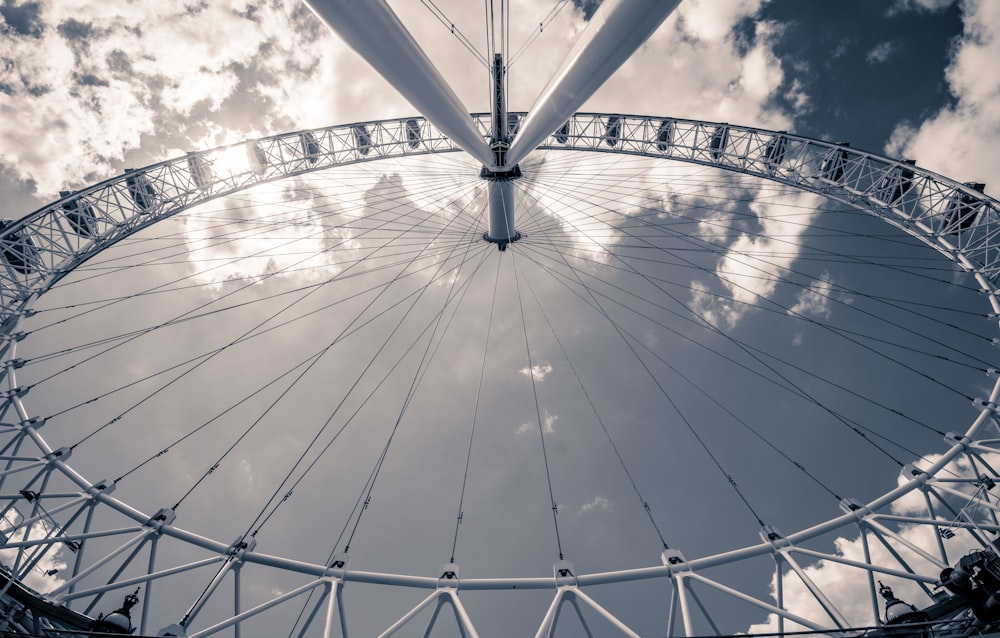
(923, 211)
(502, 207)
(614, 32)
(372, 29)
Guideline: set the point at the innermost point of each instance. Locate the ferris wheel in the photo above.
(633, 374)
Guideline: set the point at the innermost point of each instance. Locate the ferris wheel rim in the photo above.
(595, 141)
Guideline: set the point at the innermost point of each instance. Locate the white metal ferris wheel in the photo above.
(275, 386)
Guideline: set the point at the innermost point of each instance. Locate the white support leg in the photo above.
(615, 31)
(372, 29)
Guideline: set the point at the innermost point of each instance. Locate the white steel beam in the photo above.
(373, 30)
(615, 31)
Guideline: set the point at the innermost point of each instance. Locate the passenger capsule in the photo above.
(896, 182)
(962, 209)
(201, 172)
(310, 147)
(18, 249)
(80, 215)
(257, 158)
(612, 131)
(720, 138)
(140, 190)
(562, 134)
(362, 138)
(774, 152)
(413, 136)
(833, 165)
(665, 135)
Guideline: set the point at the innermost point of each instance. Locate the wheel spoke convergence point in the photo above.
(956, 219)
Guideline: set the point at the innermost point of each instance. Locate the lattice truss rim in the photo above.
(956, 219)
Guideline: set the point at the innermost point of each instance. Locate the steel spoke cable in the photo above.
(602, 193)
(632, 309)
(404, 256)
(208, 303)
(793, 391)
(455, 31)
(302, 374)
(597, 416)
(280, 220)
(827, 327)
(431, 325)
(212, 355)
(545, 22)
(475, 412)
(680, 414)
(712, 328)
(782, 311)
(346, 334)
(538, 410)
(240, 340)
(376, 470)
(454, 273)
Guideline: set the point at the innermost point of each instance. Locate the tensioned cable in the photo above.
(538, 410)
(825, 326)
(462, 290)
(545, 22)
(305, 371)
(708, 325)
(455, 31)
(632, 309)
(601, 192)
(475, 412)
(358, 327)
(597, 415)
(341, 243)
(376, 471)
(261, 232)
(732, 361)
(260, 517)
(310, 292)
(676, 408)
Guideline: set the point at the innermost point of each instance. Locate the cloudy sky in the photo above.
(664, 379)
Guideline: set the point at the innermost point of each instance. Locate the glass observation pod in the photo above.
(613, 130)
(18, 250)
(201, 172)
(562, 134)
(962, 209)
(140, 190)
(774, 151)
(257, 158)
(896, 182)
(720, 138)
(310, 147)
(413, 135)
(665, 135)
(362, 138)
(833, 165)
(80, 215)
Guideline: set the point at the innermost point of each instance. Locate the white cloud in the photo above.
(754, 264)
(539, 371)
(548, 425)
(920, 5)
(599, 503)
(962, 140)
(880, 53)
(814, 300)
